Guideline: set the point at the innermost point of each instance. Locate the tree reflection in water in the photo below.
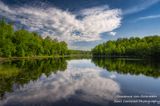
(19, 72)
(129, 66)
(81, 80)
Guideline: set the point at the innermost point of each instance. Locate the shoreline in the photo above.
(75, 56)
(42, 57)
(29, 57)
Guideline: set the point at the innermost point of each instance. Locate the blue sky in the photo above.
(84, 23)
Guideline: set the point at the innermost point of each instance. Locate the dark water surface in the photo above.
(80, 82)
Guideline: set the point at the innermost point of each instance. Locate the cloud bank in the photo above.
(65, 25)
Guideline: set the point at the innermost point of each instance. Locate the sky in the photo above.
(84, 24)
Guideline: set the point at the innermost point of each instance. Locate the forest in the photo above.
(129, 47)
(21, 43)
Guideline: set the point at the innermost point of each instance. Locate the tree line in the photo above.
(129, 47)
(21, 43)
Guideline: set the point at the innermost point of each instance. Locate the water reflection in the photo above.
(129, 66)
(80, 81)
(20, 72)
(52, 81)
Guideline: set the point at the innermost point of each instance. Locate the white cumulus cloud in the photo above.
(112, 33)
(65, 25)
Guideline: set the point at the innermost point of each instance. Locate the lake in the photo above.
(80, 82)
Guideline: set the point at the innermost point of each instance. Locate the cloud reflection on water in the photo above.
(84, 83)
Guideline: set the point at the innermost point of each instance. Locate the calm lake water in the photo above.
(80, 82)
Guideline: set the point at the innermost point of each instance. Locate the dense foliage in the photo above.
(133, 47)
(23, 43)
(129, 66)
